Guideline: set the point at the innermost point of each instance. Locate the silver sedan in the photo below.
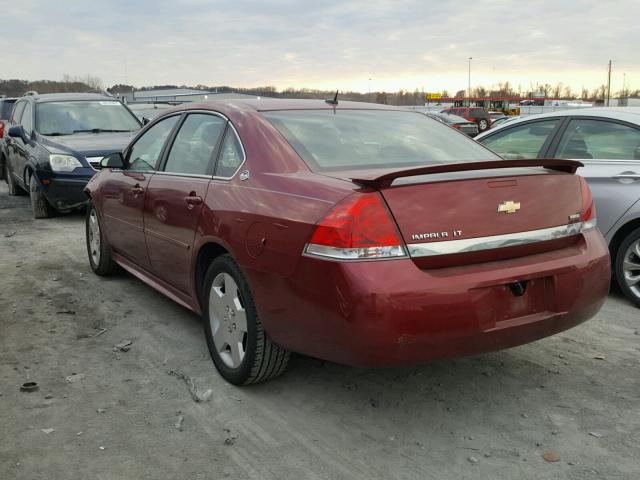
(607, 141)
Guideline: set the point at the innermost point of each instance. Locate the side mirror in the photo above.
(145, 120)
(113, 160)
(17, 132)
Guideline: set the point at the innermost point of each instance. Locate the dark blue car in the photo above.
(55, 143)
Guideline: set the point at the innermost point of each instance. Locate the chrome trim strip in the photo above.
(176, 174)
(129, 224)
(495, 241)
(160, 236)
(94, 162)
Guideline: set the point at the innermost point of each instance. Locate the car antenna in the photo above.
(333, 101)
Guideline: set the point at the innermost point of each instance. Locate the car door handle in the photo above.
(193, 200)
(137, 190)
(631, 175)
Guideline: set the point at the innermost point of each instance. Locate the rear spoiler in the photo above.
(568, 166)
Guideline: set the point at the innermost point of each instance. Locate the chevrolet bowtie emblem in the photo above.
(509, 207)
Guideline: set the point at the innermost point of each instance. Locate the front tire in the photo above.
(239, 346)
(483, 125)
(98, 249)
(41, 207)
(627, 266)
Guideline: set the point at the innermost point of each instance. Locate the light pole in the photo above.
(609, 84)
(469, 89)
(369, 90)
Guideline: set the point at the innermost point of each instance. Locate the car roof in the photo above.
(271, 104)
(69, 97)
(629, 114)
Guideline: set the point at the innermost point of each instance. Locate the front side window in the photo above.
(353, 139)
(84, 116)
(17, 112)
(145, 153)
(522, 141)
(195, 144)
(599, 139)
(231, 155)
(27, 119)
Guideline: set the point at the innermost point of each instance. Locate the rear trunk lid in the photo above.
(451, 218)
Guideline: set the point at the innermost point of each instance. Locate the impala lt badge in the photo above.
(509, 207)
(432, 235)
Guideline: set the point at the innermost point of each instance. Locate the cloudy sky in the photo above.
(323, 43)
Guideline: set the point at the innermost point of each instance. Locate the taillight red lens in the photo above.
(588, 213)
(358, 227)
(1, 128)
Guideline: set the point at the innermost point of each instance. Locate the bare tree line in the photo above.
(15, 87)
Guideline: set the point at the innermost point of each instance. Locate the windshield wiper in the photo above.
(99, 130)
(55, 134)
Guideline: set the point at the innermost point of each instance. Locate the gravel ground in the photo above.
(105, 414)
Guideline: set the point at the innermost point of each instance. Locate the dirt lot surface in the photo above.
(105, 414)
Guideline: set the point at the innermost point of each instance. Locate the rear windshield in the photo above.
(5, 108)
(352, 139)
(67, 118)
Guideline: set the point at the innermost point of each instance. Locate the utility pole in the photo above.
(469, 89)
(624, 83)
(609, 84)
(369, 90)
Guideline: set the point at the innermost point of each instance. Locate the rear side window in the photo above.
(599, 139)
(193, 149)
(478, 113)
(351, 139)
(146, 151)
(231, 155)
(522, 141)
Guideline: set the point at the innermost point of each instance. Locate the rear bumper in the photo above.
(385, 313)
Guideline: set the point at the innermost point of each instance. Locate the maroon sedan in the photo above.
(361, 234)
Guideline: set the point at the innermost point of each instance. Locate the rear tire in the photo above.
(627, 267)
(239, 346)
(41, 207)
(98, 248)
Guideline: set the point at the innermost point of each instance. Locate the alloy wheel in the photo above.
(228, 320)
(94, 237)
(631, 267)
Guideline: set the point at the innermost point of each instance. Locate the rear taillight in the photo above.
(358, 228)
(588, 213)
(456, 125)
(1, 128)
